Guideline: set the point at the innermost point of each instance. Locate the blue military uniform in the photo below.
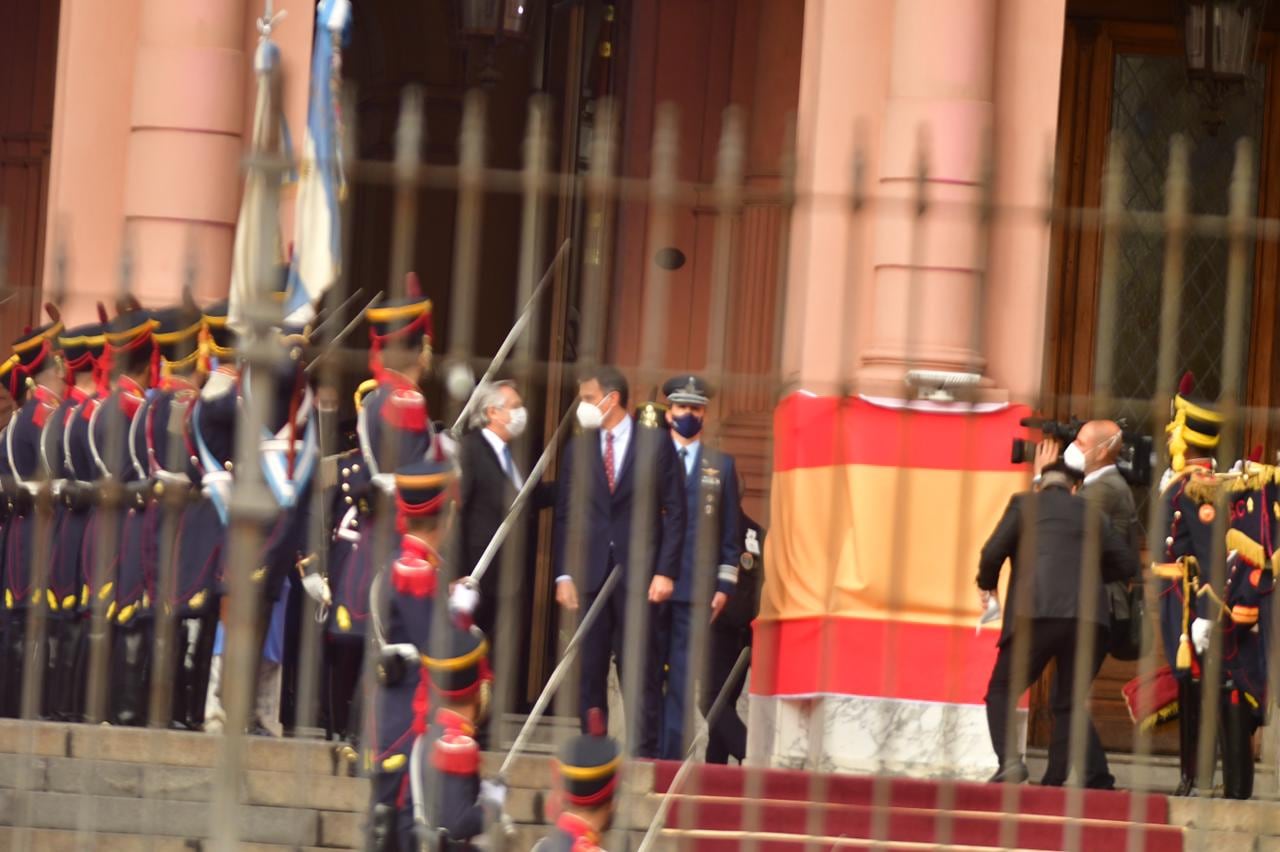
(20, 468)
(82, 349)
(406, 605)
(113, 582)
(709, 559)
(393, 429)
(448, 782)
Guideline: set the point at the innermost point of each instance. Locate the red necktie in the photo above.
(608, 459)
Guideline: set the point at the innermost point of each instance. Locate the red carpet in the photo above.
(781, 802)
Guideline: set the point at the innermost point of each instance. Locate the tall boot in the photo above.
(382, 829)
(76, 671)
(206, 628)
(13, 659)
(1236, 726)
(1188, 734)
(130, 676)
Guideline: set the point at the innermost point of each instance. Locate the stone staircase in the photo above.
(78, 787)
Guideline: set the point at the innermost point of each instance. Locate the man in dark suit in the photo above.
(490, 481)
(594, 510)
(1043, 535)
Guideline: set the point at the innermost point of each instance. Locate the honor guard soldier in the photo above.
(586, 778)
(450, 801)
(34, 381)
(393, 429)
(1188, 501)
(404, 601)
(134, 368)
(81, 349)
(709, 561)
(152, 453)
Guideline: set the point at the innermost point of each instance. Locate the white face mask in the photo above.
(589, 416)
(1073, 457)
(517, 421)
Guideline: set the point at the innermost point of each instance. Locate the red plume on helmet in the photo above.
(1255, 455)
(412, 286)
(55, 316)
(595, 722)
(102, 314)
(1187, 384)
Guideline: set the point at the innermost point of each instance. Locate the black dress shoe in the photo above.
(1187, 787)
(1011, 773)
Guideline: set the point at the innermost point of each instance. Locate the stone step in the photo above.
(55, 840)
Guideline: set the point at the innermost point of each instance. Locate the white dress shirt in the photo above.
(690, 453)
(501, 448)
(1097, 474)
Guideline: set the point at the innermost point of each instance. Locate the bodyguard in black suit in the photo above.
(1043, 535)
(614, 447)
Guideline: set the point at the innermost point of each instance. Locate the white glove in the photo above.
(1200, 630)
(493, 794)
(318, 588)
(463, 598)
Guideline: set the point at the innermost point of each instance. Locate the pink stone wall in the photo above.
(153, 105)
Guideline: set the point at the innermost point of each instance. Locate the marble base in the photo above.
(859, 734)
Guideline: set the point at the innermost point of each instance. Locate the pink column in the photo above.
(185, 144)
(939, 105)
(90, 148)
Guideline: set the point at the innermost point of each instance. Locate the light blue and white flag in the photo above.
(317, 240)
(257, 242)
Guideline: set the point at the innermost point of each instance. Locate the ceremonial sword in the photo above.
(505, 349)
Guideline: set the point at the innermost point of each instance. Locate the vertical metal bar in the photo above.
(537, 153)
(705, 524)
(922, 211)
(251, 509)
(644, 446)
(1239, 260)
(1176, 221)
(599, 185)
(410, 134)
(466, 245)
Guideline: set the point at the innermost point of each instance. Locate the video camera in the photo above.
(1136, 451)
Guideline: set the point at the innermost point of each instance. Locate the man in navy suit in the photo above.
(709, 558)
(614, 452)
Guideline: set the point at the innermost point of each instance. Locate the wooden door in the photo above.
(1127, 81)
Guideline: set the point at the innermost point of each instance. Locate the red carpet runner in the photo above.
(777, 807)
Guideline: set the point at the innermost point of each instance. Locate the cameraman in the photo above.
(1042, 534)
(1094, 453)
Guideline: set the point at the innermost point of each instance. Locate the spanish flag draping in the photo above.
(878, 511)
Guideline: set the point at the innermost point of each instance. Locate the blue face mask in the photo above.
(687, 425)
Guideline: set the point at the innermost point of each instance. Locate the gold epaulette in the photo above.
(1203, 487)
(1249, 550)
(1168, 570)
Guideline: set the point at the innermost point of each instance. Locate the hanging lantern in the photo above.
(1221, 41)
(493, 20)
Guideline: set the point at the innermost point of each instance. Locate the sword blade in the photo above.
(561, 669)
(512, 336)
(717, 707)
(340, 336)
(517, 505)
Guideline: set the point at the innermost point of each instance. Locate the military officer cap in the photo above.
(82, 347)
(31, 350)
(423, 487)
(177, 334)
(1194, 422)
(405, 321)
(454, 661)
(588, 765)
(687, 390)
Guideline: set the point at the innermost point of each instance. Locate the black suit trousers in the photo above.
(1050, 639)
(603, 642)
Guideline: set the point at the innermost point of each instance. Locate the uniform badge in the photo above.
(1207, 513)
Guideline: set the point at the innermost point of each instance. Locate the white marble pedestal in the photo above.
(858, 734)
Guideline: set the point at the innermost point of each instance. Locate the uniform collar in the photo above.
(412, 546)
(396, 381)
(577, 827)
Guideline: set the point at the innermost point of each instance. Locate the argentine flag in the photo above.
(257, 226)
(317, 239)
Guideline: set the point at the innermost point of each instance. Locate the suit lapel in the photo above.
(624, 469)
